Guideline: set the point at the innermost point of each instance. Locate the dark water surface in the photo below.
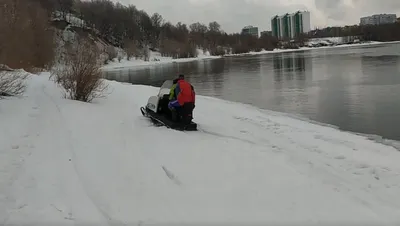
(355, 88)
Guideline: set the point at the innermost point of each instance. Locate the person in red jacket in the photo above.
(185, 102)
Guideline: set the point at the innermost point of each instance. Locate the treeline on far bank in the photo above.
(132, 29)
(380, 33)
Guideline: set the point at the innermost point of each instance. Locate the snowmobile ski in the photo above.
(161, 120)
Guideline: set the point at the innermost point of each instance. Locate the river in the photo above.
(354, 88)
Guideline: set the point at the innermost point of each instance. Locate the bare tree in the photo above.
(214, 27)
(64, 7)
(26, 38)
(111, 53)
(146, 53)
(130, 48)
(156, 20)
(80, 77)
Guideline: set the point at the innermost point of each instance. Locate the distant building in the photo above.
(398, 20)
(266, 33)
(289, 26)
(378, 19)
(250, 30)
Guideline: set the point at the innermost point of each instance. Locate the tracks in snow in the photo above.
(67, 135)
(171, 176)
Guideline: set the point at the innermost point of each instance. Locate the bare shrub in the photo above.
(174, 49)
(112, 53)
(138, 52)
(241, 48)
(12, 82)
(187, 50)
(80, 77)
(130, 48)
(169, 48)
(146, 53)
(217, 51)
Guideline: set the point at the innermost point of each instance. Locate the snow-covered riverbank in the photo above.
(314, 48)
(157, 59)
(65, 162)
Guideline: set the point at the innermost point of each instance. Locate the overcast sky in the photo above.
(235, 14)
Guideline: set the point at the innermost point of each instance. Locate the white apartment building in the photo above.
(291, 25)
(378, 19)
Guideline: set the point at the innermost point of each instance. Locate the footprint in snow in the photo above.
(22, 206)
(362, 166)
(387, 169)
(33, 115)
(340, 157)
(316, 150)
(374, 173)
(358, 173)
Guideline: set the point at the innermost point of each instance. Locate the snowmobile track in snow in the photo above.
(226, 136)
(157, 123)
(171, 176)
(110, 221)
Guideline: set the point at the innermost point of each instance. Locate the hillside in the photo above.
(69, 28)
(71, 163)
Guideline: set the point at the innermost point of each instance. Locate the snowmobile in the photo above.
(160, 114)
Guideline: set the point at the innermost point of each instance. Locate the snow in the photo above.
(155, 58)
(65, 162)
(70, 18)
(336, 40)
(314, 48)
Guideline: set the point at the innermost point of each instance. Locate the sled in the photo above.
(158, 112)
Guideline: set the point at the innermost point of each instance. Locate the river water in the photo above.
(354, 88)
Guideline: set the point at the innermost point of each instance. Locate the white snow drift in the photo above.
(64, 162)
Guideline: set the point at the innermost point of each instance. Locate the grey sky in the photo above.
(235, 14)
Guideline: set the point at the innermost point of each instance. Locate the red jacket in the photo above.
(186, 93)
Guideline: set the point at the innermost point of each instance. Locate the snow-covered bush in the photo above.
(11, 82)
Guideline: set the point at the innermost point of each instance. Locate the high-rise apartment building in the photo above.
(378, 19)
(266, 33)
(250, 30)
(289, 26)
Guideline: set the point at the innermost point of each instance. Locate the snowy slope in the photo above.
(69, 163)
(155, 58)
